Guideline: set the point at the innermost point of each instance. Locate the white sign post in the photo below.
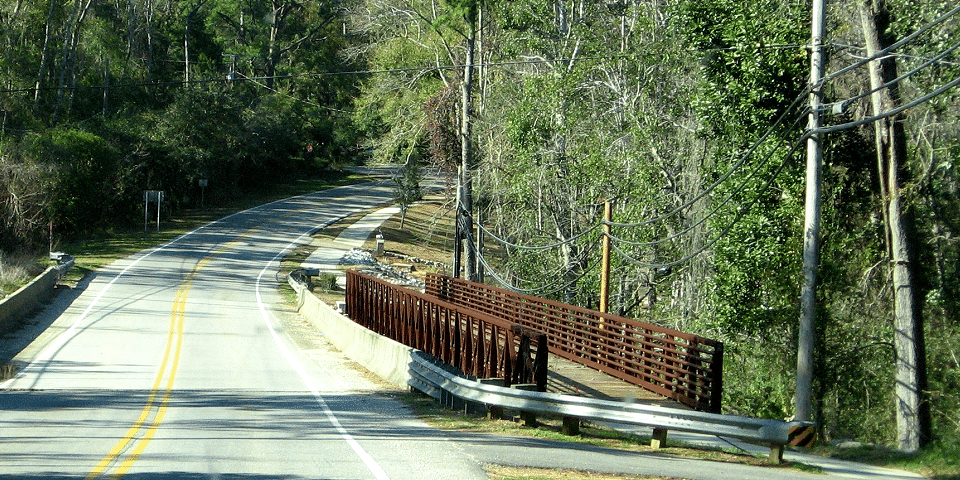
(151, 196)
(203, 187)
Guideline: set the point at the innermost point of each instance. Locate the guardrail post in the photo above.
(776, 454)
(494, 412)
(529, 418)
(571, 426)
(659, 439)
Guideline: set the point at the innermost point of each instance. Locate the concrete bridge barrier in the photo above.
(16, 306)
(387, 358)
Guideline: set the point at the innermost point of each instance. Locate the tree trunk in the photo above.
(67, 74)
(274, 20)
(466, 153)
(186, 49)
(148, 24)
(891, 153)
(44, 59)
(186, 41)
(72, 62)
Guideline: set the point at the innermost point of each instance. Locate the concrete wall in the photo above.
(385, 357)
(19, 304)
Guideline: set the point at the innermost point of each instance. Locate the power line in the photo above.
(686, 258)
(806, 135)
(115, 86)
(889, 113)
(710, 214)
(540, 247)
(845, 103)
(743, 160)
(897, 55)
(369, 72)
(538, 290)
(547, 289)
(896, 45)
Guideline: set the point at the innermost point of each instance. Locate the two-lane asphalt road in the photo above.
(172, 364)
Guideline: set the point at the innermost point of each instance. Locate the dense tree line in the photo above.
(689, 117)
(102, 100)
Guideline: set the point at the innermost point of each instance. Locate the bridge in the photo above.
(471, 342)
(488, 332)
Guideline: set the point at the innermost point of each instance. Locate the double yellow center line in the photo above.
(126, 452)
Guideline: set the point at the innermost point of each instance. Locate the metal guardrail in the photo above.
(430, 376)
(64, 263)
(681, 366)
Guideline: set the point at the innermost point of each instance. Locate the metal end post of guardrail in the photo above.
(803, 435)
(64, 263)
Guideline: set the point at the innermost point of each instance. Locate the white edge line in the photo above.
(298, 367)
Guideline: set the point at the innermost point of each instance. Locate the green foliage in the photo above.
(400, 109)
(758, 382)
(128, 122)
(408, 184)
(754, 60)
(83, 166)
(442, 128)
(943, 371)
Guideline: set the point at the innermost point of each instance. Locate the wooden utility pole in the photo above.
(605, 258)
(811, 228)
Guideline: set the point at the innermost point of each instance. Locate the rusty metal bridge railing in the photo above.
(478, 344)
(480, 329)
(681, 366)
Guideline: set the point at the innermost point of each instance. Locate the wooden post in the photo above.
(571, 426)
(494, 412)
(605, 258)
(457, 243)
(529, 418)
(659, 439)
(776, 454)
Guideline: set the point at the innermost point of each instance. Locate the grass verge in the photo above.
(502, 472)
(936, 461)
(17, 269)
